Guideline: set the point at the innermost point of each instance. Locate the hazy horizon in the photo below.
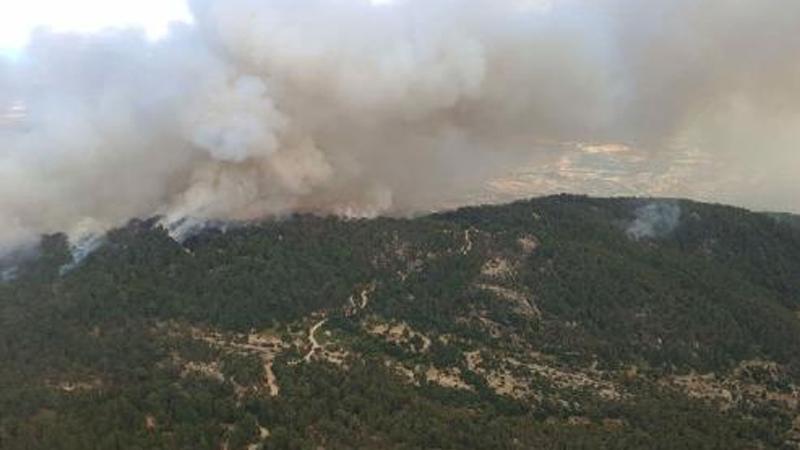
(243, 109)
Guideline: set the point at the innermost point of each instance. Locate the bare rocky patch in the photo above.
(528, 244)
(497, 268)
(508, 376)
(703, 387)
(210, 370)
(399, 333)
(752, 382)
(449, 378)
(524, 305)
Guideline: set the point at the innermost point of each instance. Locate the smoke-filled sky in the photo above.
(244, 109)
(19, 19)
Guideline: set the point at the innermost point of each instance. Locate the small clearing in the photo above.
(528, 244)
(497, 268)
(401, 334)
(450, 378)
(315, 346)
(512, 378)
(524, 305)
(77, 386)
(752, 381)
(467, 247)
(263, 346)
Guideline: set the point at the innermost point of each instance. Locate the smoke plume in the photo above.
(656, 219)
(266, 107)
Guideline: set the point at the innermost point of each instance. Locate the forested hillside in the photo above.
(559, 322)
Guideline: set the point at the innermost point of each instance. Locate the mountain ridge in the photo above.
(542, 323)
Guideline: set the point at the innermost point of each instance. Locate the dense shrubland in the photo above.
(91, 359)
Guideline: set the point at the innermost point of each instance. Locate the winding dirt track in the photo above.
(467, 242)
(313, 339)
(364, 299)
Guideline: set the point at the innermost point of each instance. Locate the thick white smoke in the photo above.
(656, 219)
(264, 107)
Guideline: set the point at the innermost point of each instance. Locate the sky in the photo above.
(19, 18)
(262, 108)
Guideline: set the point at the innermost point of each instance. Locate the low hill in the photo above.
(558, 322)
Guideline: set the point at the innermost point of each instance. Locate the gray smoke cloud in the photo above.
(654, 220)
(80, 248)
(266, 107)
(8, 274)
